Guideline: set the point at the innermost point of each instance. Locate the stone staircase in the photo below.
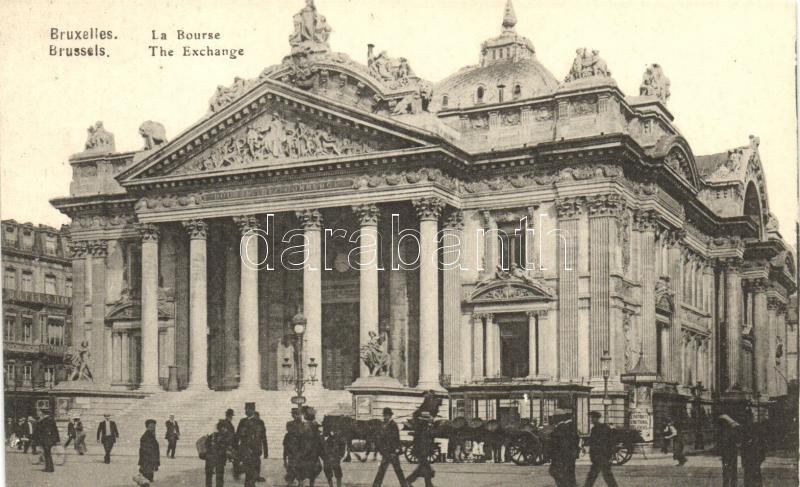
(197, 413)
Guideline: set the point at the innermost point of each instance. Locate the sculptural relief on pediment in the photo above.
(280, 136)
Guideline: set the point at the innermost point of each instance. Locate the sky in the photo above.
(731, 66)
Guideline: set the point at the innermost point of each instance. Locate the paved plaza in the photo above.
(655, 471)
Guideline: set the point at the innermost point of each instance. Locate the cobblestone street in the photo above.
(89, 471)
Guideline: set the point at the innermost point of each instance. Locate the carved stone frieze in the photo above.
(421, 175)
(428, 208)
(272, 137)
(676, 160)
(167, 201)
(523, 180)
(102, 221)
(511, 285)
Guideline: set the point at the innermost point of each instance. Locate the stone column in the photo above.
(78, 253)
(602, 210)
(466, 359)
(783, 334)
(398, 313)
(249, 358)
(125, 358)
(312, 286)
(733, 330)
(428, 210)
(533, 351)
(568, 211)
(762, 328)
(674, 263)
(548, 339)
(478, 367)
(490, 255)
(646, 224)
(368, 215)
(99, 339)
(149, 358)
(451, 300)
(492, 346)
(198, 305)
(116, 352)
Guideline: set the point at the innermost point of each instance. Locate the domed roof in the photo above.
(508, 70)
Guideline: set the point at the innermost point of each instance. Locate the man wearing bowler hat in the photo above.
(564, 444)
(389, 446)
(601, 446)
(251, 443)
(423, 445)
(47, 437)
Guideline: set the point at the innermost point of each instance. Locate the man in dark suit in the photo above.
(601, 446)
(107, 434)
(149, 455)
(172, 436)
(423, 445)
(30, 435)
(263, 436)
(227, 425)
(564, 445)
(70, 432)
(251, 441)
(47, 437)
(390, 447)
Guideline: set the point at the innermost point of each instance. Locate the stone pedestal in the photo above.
(372, 394)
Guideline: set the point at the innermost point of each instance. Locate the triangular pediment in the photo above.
(510, 286)
(274, 124)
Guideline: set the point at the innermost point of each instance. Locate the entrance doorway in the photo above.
(514, 348)
(340, 346)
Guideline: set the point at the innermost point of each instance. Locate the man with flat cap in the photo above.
(564, 445)
(390, 447)
(251, 444)
(601, 446)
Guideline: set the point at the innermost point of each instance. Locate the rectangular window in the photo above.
(9, 328)
(68, 287)
(27, 281)
(50, 244)
(27, 239)
(10, 236)
(511, 248)
(55, 332)
(27, 330)
(49, 374)
(10, 372)
(50, 284)
(27, 372)
(10, 278)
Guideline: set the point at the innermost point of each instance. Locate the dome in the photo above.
(508, 71)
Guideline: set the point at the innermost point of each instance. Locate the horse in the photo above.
(353, 429)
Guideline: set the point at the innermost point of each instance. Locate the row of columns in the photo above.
(484, 338)
(428, 210)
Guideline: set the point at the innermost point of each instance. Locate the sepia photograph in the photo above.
(427, 243)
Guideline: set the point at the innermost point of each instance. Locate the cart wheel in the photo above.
(539, 457)
(622, 453)
(522, 452)
(408, 452)
(435, 454)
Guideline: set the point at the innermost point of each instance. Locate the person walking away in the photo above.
(730, 435)
(291, 445)
(754, 449)
(80, 437)
(423, 445)
(172, 436)
(219, 444)
(250, 444)
(333, 447)
(601, 446)
(310, 448)
(47, 437)
(671, 434)
(107, 434)
(389, 447)
(149, 455)
(70, 432)
(263, 437)
(564, 448)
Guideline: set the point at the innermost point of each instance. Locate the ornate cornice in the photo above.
(148, 231)
(310, 219)
(428, 208)
(197, 229)
(367, 214)
(246, 223)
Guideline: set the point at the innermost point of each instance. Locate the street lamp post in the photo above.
(299, 328)
(605, 364)
(697, 392)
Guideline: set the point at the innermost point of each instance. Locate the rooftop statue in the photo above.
(586, 65)
(375, 354)
(153, 134)
(311, 30)
(99, 139)
(394, 72)
(654, 83)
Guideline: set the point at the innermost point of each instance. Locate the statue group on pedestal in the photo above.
(76, 362)
(375, 354)
(311, 30)
(587, 64)
(99, 139)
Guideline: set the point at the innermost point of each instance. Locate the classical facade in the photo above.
(37, 312)
(503, 229)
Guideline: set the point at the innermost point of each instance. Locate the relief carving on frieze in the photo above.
(522, 180)
(432, 175)
(167, 201)
(677, 161)
(274, 137)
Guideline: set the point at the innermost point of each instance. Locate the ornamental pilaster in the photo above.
(428, 208)
(197, 229)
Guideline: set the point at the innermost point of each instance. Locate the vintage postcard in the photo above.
(352, 243)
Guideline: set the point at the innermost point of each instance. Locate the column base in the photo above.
(197, 387)
(430, 386)
(150, 388)
(248, 387)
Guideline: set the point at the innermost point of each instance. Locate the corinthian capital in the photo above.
(246, 223)
(645, 221)
(454, 220)
(78, 249)
(148, 231)
(733, 264)
(428, 208)
(97, 248)
(605, 205)
(567, 208)
(367, 214)
(310, 219)
(197, 229)
(759, 285)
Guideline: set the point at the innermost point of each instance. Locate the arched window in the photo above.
(480, 94)
(517, 91)
(445, 100)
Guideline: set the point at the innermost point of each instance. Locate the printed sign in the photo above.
(642, 421)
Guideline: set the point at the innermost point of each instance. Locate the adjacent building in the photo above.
(515, 240)
(37, 312)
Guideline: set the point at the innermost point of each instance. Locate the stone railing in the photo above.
(29, 297)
